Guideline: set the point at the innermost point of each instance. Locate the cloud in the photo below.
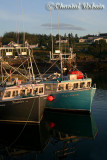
(62, 26)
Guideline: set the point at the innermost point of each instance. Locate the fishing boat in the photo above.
(71, 91)
(20, 102)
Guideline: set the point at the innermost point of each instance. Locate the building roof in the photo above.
(103, 34)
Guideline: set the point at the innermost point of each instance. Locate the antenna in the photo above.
(23, 23)
(17, 31)
(58, 27)
(1, 66)
(51, 31)
(60, 46)
(17, 34)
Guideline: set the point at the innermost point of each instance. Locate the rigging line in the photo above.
(24, 125)
(50, 67)
(74, 67)
(37, 67)
(6, 71)
(30, 54)
(58, 67)
(16, 70)
(1, 70)
(22, 62)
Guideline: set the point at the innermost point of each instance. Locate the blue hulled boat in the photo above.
(72, 91)
(76, 99)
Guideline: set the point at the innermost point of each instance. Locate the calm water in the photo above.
(61, 136)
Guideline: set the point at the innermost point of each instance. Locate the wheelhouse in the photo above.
(22, 91)
(67, 85)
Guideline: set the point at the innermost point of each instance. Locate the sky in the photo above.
(33, 16)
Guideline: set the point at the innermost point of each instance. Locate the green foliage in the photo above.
(18, 37)
(98, 49)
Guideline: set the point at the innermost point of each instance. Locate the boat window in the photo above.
(41, 90)
(54, 87)
(61, 87)
(75, 85)
(88, 84)
(22, 92)
(7, 94)
(29, 91)
(15, 93)
(1, 93)
(48, 87)
(68, 86)
(36, 90)
(82, 84)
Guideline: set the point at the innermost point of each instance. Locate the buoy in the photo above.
(51, 124)
(78, 73)
(50, 98)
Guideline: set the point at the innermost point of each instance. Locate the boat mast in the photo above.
(58, 29)
(1, 66)
(31, 66)
(60, 46)
(51, 31)
(23, 24)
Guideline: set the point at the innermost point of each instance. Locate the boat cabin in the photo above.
(22, 91)
(66, 85)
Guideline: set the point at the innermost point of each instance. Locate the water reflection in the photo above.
(69, 129)
(56, 137)
(16, 140)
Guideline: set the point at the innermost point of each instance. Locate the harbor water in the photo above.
(61, 136)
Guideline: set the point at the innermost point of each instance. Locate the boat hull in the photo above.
(23, 110)
(76, 100)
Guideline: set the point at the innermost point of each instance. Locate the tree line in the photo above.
(41, 39)
(98, 49)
